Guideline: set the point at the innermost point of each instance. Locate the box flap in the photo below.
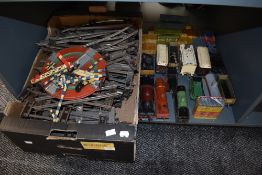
(82, 131)
(19, 52)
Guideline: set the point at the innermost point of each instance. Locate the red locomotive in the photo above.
(161, 99)
(147, 96)
(146, 104)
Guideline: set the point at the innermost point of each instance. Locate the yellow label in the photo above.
(98, 146)
(208, 109)
(205, 117)
(147, 72)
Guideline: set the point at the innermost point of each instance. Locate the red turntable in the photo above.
(73, 67)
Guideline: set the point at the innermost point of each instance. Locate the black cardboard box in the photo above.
(88, 140)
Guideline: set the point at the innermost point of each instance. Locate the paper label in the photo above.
(98, 146)
(28, 142)
(110, 132)
(124, 134)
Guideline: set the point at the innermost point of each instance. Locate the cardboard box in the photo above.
(207, 107)
(88, 140)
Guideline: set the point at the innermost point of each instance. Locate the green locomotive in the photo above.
(182, 109)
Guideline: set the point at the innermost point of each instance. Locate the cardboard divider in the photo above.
(41, 55)
(13, 109)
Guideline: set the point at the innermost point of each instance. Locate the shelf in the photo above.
(228, 21)
(239, 3)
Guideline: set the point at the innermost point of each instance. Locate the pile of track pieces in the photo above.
(116, 43)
